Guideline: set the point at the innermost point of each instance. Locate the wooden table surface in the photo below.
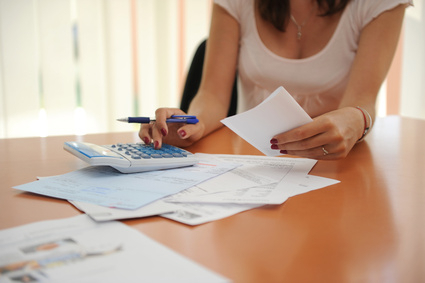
(368, 228)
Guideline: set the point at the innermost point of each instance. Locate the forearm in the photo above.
(212, 101)
(377, 46)
(209, 111)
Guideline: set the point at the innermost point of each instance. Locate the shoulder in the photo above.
(236, 8)
(364, 11)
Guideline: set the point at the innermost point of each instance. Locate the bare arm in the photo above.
(212, 101)
(376, 50)
(339, 130)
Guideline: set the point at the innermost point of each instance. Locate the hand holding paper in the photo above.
(277, 114)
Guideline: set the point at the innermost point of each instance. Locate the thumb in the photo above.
(194, 132)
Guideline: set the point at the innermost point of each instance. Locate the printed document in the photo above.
(216, 199)
(80, 250)
(103, 213)
(215, 208)
(103, 185)
(253, 184)
(283, 174)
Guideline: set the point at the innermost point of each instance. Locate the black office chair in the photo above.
(193, 81)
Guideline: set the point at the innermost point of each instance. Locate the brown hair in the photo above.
(278, 12)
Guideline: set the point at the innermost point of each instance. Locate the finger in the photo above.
(144, 133)
(319, 153)
(162, 114)
(191, 131)
(186, 131)
(156, 135)
(309, 130)
(308, 143)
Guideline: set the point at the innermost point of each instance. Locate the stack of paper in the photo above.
(258, 181)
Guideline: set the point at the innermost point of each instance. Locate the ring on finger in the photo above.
(325, 152)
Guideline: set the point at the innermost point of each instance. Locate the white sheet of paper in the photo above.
(200, 213)
(290, 174)
(102, 213)
(105, 186)
(309, 183)
(267, 194)
(255, 170)
(277, 114)
(270, 168)
(80, 250)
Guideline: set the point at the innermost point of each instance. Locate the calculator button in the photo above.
(134, 156)
(155, 155)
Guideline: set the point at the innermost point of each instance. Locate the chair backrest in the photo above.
(193, 81)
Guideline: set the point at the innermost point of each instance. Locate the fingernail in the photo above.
(273, 141)
(164, 132)
(146, 140)
(274, 146)
(156, 144)
(284, 151)
(182, 133)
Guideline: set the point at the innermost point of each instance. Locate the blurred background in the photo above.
(74, 66)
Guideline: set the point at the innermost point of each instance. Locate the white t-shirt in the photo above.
(317, 82)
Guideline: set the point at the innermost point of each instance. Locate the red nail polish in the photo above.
(273, 141)
(146, 140)
(274, 146)
(182, 133)
(284, 151)
(163, 132)
(156, 144)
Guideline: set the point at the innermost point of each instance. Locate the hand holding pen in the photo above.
(169, 124)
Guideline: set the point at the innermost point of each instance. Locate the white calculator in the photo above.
(131, 157)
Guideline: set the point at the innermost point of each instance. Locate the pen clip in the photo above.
(188, 119)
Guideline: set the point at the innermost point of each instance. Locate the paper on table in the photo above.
(102, 213)
(309, 183)
(80, 250)
(107, 187)
(218, 207)
(200, 213)
(289, 173)
(256, 170)
(277, 114)
(267, 194)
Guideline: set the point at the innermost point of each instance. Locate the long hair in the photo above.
(278, 12)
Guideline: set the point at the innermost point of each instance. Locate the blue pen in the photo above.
(173, 119)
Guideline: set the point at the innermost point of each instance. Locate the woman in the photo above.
(332, 56)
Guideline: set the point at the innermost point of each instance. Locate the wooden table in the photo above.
(368, 228)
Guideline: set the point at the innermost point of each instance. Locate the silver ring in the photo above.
(325, 152)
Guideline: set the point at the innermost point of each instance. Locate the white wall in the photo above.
(413, 78)
(132, 56)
